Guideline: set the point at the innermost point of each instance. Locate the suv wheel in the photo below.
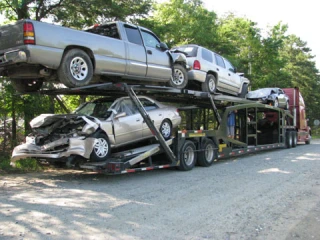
(210, 85)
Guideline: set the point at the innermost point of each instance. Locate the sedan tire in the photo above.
(101, 148)
(166, 129)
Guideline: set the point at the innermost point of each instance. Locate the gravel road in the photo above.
(270, 195)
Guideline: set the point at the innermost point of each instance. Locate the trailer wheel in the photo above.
(188, 156)
(101, 148)
(207, 156)
(166, 129)
(26, 85)
(210, 84)
(288, 139)
(180, 77)
(294, 138)
(76, 69)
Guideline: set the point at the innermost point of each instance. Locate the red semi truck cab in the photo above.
(298, 109)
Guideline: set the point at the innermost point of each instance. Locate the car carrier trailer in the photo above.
(202, 137)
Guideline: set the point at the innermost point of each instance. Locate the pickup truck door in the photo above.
(158, 61)
(137, 58)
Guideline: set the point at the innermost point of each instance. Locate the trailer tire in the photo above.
(309, 139)
(188, 156)
(26, 85)
(288, 139)
(210, 84)
(294, 138)
(180, 77)
(208, 154)
(76, 69)
(101, 148)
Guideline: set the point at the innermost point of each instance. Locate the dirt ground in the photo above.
(268, 195)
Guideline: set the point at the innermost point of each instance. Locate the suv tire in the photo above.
(210, 85)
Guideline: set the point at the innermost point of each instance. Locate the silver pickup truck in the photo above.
(32, 52)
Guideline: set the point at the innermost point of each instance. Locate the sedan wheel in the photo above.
(166, 129)
(276, 103)
(101, 148)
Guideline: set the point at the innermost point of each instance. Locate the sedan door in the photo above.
(155, 114)
(127, 123)
(158, 61)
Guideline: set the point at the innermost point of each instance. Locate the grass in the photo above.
(26, 165)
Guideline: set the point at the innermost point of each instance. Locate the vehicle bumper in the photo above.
(80, 147)
(197, 75)
(12, 57)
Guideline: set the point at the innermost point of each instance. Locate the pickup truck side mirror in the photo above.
(162, 46)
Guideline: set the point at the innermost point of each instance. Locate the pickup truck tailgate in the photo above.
(11, 36)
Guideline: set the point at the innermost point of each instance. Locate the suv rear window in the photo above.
(190, 50)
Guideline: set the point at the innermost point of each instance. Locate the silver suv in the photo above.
(214, 72)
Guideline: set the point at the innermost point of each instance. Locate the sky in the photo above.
(302, 17)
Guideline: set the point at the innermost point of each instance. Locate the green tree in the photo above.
(183, 22)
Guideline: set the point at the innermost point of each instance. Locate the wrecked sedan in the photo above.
(94, 129)
(273, 96)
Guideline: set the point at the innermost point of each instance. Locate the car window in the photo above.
(127, 106)
(149, 39)
(207, 55)
(191, 51)
(148, 105)
(229, 66)
(133, 35)
(219, 61)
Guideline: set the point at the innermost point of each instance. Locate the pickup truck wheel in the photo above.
(244, 91)
(101, 148)
(180, 77)
(166, 129)
(26, 85)
(207, 154)
(210, 85)
(76, 69)
(188, 156)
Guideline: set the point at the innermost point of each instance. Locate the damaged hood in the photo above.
(260, 93)
(46, 123)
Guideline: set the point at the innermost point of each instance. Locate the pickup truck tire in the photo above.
(188, 156)
(76, 69)
(166, 129)
(210, 84)
(180, 77)
(207, 154)
(101, 148)
(26, 85)
(244, 91)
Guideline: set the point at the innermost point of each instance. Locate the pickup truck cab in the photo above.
(32, 52)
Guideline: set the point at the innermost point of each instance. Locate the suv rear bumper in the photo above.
(197, 75)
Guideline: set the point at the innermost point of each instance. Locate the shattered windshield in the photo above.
(95, 109)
